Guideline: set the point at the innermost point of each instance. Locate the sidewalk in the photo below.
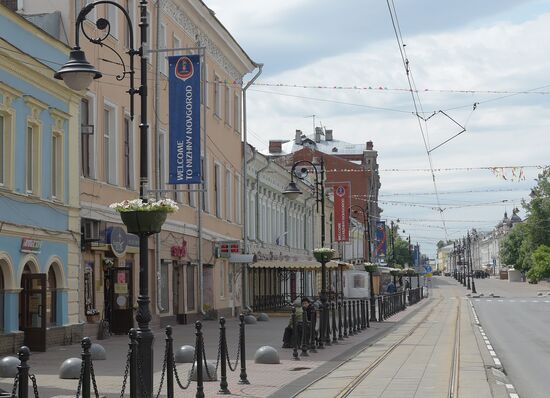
(266, 380)
(420, 364)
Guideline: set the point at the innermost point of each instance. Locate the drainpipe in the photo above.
(258, 198)
(245, 187)
(160, 308)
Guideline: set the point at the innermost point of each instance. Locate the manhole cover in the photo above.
(298, 369)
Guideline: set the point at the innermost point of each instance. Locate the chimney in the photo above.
(318, 132)
(369, 146)
(275, 146)
(298, 137)
(328, 135)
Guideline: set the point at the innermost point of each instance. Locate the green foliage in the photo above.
(541, 264)
(519, 246)
(442, 244)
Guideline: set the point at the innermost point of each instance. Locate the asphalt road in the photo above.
(517, 324)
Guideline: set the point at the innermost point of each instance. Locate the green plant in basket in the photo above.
(144, 217)
(371, 267)
(323, 254)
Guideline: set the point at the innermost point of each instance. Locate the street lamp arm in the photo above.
(104, 25)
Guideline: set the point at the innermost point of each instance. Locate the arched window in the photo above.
(51, 298)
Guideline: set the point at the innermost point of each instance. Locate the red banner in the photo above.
(342, 202)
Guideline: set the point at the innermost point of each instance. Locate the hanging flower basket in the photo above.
(396, 272)
(143, 222)
(370, 267)
(144, 218)
(324, 254)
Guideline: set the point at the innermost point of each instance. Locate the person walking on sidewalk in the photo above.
(391, 288)
(303, 304)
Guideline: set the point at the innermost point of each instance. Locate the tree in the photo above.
(541, 264)
(442, 244)
(511, 244)
(402, 254)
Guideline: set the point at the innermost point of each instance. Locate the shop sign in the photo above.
(224, 249)
(179, 250)
(30, 245)
(118, 241)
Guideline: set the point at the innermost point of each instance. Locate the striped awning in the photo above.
(300, 265)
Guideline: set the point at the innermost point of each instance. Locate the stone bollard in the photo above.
(266, 355)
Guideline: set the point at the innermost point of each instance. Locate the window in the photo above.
(163, 64)
(217, 189)
(79, 5)
(86, 141)
(109, 145)
(89, 289)
(164, 286)
(190, 284)
(228, 196)
(57, 165)
(112, 15)
(51, 298)
(238, 195)
(2, 151)
(227, 100)
(206, 84)
(31, 160)
(222, 280)
(129, 6)
(237, 113)
(205, 198)
(127, 155)
(217, 97)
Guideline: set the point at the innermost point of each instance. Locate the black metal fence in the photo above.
(337, 320)
(133, 375)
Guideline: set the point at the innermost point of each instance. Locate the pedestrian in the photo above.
(407, 284)
(302, 305)
(391, 288)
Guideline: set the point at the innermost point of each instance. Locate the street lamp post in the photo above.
(292, 192)
(78, 73)
(471, 262)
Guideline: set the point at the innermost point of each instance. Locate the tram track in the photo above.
(453, 388)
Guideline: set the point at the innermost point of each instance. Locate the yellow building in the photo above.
(186, 279)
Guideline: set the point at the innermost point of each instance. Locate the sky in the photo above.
(477, 66)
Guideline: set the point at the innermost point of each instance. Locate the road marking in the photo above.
(493, 354)
(489, 347)
(497, 362)
(514, 395)
(509, 386)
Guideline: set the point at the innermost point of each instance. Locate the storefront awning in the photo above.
(299, 265)
(241, 258)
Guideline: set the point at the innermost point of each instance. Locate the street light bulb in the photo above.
(78, 80)
(77, 73)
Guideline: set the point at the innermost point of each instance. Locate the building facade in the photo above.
(39, 205)
(190, 276)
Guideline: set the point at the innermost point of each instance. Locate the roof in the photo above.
(333, 147)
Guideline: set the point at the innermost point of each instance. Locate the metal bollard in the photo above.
(340, 337)
(132, 345)
(294, 335)
(169, 362)
(198, 354)
(223, 359)
(86, 344)
(23, 372)
(312, 332)
(243, 376)
(327, 324)
(367, 315)
(304, 352)
(354, 318)
(345, 319)
(334, 334)
(359, 327)
(350, 319)
(320, 341)
(363, 324)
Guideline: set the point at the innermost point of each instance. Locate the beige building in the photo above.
(188, 274)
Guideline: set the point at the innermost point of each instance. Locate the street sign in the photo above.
(224, 249)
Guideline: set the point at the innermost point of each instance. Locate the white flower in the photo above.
(167, 205)
(324, 250)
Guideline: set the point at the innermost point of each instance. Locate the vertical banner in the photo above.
(184, 122)
(380, 248)
(342, 202)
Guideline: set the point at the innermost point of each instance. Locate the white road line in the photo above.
(489, 347)
(493, 354)
(514, 395)
(509, 386)
(497, 362)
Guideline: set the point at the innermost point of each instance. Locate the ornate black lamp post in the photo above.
(77, 73)
(292, 192)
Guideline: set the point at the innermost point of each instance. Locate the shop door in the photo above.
(208, 280)
(120, 297)
(32, 311)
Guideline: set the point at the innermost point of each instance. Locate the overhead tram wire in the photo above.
(401, 46)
